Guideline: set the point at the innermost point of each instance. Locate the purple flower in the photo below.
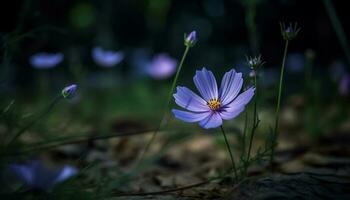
(106, 58)
(162, 66)
(215, 104)
(45, 60)
(38, 176)
(191, 39)
(344, 85)
(69, 91)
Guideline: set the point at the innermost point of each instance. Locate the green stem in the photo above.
(166, 105)
(275, 132)
(243, 154)
(40, 116)
(229, 151)
(308, 75)
(251, 26)
(255, 120)
(337, 28)
(244, 135)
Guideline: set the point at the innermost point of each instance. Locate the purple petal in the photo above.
(23, 172)
(228, 114)
(189, 100)
(189, 116)
(66, 173)
(231, 84)
(237, 106)
(213, 120)
(206, 84)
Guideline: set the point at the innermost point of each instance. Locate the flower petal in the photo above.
(231, 113)
(233, 109)
(211, 121)
(206, 84)
(231, 84)
(23, 172)
(189, 116)
(189, 100)
(65, 173)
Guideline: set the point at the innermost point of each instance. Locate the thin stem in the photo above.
(229, 151)
(275, 132)
(166, 105)
(308, 74)
(337, 28)
(40, 116)
(250, 22)
(244, 135)
(243, 158)
(255, 120)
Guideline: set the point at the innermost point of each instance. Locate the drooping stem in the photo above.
(337, 28)
(275, 131)
(143, 153)
(39, 117)
(255, 119)
(229, 151)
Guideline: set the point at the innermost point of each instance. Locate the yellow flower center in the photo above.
(214, 104)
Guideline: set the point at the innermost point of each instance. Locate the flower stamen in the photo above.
(214, 104)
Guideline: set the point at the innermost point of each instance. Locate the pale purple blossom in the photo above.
(106, 58)
(344, 85)
(215, 104)
(162, 66)
(37, 175)
(46, 60)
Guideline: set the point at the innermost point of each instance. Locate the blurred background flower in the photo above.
(295, 62)
(344, 85)
(162, 66)
(336, 70)
(37, 175)
(45, 60)
(106, 58)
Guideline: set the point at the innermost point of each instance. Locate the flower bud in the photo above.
(191, 39)
(255, 62)
(69, 91)
(290, 32)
